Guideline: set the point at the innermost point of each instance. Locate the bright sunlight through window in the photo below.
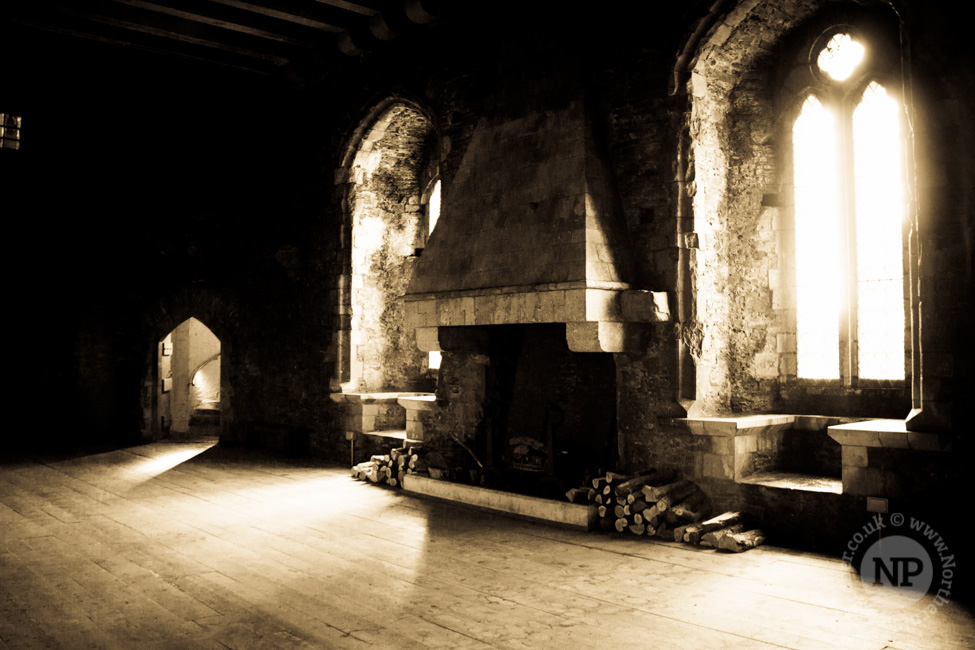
(434, 359)
(879, 218)
(817, 242)
(830, 228)
(840, 57)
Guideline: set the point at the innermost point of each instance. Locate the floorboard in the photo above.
(192, 545)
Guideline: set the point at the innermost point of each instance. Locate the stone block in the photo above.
(466, 311)
(595, 337)
(863, 481)
(854, 456)
(788, 365)
(894, 439)
(720, 427)
(718, 466)
(723, 445)
(428, 339)
(603, 305)
(785, 343)
(746, 444)
(765, 366)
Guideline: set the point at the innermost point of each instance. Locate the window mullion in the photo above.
(848, 255)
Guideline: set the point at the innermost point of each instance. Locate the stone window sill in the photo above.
(890, 434)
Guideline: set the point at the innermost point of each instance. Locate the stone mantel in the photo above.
(595, 314)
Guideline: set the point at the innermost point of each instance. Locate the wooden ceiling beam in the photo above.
(124, 40)
(169, 27)
(231, 19)
(310, 15)
(365, 9)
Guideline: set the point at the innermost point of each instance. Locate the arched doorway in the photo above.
(188, 391)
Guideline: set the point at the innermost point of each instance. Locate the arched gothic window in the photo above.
(850, 213)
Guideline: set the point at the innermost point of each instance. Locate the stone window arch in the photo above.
(389, 169)
(848, 212)
(746, 81)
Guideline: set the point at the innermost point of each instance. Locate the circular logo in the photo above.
(898, 561)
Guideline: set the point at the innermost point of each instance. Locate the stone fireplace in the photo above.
(544, 417)
(527, 287)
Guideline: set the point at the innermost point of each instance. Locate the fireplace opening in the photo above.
(550, 413)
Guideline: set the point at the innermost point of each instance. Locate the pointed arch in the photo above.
(389, 165)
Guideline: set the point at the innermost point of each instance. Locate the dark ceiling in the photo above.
(256, 36)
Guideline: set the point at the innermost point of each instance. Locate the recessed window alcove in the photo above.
(392, 195)
(799, 326)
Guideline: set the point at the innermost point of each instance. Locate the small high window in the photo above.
(9, 131)
(840, 57)
(850, 209)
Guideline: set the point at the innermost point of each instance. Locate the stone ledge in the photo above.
(395, 437)
(372, 398)
(744, 425)
(889, 434)
(418, 402)
(736, 426)
(563, 513)
(795, 481)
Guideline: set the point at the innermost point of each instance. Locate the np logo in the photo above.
(898, 561)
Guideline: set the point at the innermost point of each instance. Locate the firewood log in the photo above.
(649, 477)
(653, 493)
(636, 506)
(658, 529)
(622, 524)
(676, 495)
(694, 532)
(738, 542)
(693, 508)
(714, 537)
(637, 529)
(662, 531)
(577, 495)
(680, 531)
(359, 471)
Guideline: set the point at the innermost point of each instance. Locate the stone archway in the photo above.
(189, 395)
(389, 174)
(210, 365)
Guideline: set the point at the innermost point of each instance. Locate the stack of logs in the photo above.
(389, 469)
(657, 503)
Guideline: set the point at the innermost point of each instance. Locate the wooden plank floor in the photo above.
(186, 545)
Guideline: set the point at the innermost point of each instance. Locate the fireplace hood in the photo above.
(529, 232)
